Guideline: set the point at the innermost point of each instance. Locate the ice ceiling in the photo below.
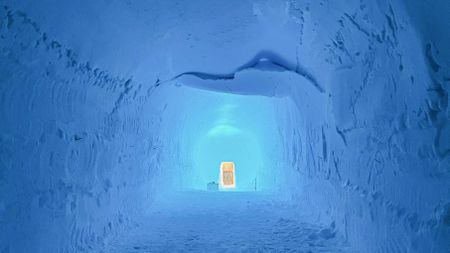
(340, 107)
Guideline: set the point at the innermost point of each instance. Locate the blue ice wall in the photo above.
(96, 113)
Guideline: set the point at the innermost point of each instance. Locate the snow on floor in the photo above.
(226, 222)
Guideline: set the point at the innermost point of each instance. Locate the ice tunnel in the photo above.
(224, 126)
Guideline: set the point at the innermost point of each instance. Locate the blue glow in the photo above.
(223, 130)
(228, 144)
(227, 127)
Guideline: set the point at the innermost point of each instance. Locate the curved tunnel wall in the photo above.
(86, 139)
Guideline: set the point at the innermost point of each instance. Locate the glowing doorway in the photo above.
(227, 175)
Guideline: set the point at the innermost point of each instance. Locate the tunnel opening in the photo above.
(228, 127)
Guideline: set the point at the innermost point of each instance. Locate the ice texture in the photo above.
(94, 98)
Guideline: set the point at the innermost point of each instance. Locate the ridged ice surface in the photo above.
(97, 99)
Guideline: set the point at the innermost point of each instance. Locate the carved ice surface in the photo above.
(115, 116)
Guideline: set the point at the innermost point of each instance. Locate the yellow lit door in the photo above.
(227, 176)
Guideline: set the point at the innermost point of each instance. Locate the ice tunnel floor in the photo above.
(226, 222)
